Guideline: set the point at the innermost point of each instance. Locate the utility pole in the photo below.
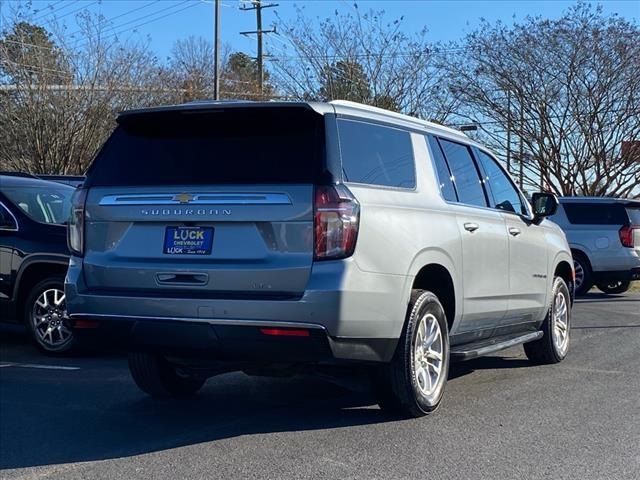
(509, 132)
(521, 144)
(257, 5)
(216, 51)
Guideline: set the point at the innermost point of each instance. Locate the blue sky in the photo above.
(165, 21)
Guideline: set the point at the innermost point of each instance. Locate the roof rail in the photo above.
(399, 116)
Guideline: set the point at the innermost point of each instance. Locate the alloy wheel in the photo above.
(50, 320)
(428, 355)
(561, 323)
(579, 270)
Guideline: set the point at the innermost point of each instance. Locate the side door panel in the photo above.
(485, 268)
(485, 262)
(528, 276)
(527, 250)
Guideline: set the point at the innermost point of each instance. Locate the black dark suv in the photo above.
(34, 257)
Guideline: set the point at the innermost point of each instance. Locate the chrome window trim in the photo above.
(15, 220)
(201, 198)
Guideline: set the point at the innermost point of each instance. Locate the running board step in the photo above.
(491, 345)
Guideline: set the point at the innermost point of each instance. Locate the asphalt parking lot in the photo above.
(82, 417)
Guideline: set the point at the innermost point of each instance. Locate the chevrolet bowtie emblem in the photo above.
(183, 198)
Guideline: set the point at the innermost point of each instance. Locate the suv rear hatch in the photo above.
(205, 203)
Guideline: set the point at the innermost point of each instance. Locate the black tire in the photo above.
(613, 288)
(49, 325)
(545, 350)
(395, 384)
(157, 377)
(580, 261)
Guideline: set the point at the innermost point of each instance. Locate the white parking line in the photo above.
(36, 365)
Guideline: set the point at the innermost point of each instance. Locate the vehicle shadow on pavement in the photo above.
(53, 424)
(97, 413)
(461, 369)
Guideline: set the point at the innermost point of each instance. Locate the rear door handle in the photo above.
(513, 231)
(471, 227)
(182, 278)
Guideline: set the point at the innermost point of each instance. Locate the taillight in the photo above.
(626, 235)
(75, 232)
(336, 219)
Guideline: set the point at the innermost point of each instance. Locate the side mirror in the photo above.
(544, 205)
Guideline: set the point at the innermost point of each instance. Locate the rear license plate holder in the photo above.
(188, 240)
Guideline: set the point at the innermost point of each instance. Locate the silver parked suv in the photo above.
(604, 235)
(271, 237)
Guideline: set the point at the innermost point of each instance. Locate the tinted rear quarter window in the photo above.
(376, 155)
(596, 213)
(224, 146)
(465, 173)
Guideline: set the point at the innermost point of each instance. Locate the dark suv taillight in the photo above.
(75, 232)
(626, 235)
(336, 219)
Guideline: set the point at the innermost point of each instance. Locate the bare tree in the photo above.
(59, 95)
(566, 92)
(363, 57)
(191, 67)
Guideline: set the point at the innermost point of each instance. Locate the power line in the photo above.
(84, 7)
(192, 4)
(113, 28)
(54, 10)
(128, 12)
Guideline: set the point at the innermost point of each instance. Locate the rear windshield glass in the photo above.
(244, 145)
(596, 213)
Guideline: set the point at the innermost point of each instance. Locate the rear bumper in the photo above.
(230, 341)
(353, 315)
(617, 276)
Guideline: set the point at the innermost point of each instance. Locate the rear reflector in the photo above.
(86, 324)
(285, 332)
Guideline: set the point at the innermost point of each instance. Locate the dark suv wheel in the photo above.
(46, 316)
(157, 377)
(612, 288)
(582, 267)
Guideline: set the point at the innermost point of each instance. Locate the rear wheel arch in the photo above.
(437, 279)
(582, 254)
(32, 274)
(564, 270)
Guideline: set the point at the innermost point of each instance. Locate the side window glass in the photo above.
(6, 219)
(596, 213)
(505, 194)
(445, 179)
(465, 173)
(376, 155)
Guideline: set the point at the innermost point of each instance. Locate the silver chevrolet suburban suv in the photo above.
(287, 237)
(604, 236)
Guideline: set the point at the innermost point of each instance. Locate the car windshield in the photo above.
(44, 202)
